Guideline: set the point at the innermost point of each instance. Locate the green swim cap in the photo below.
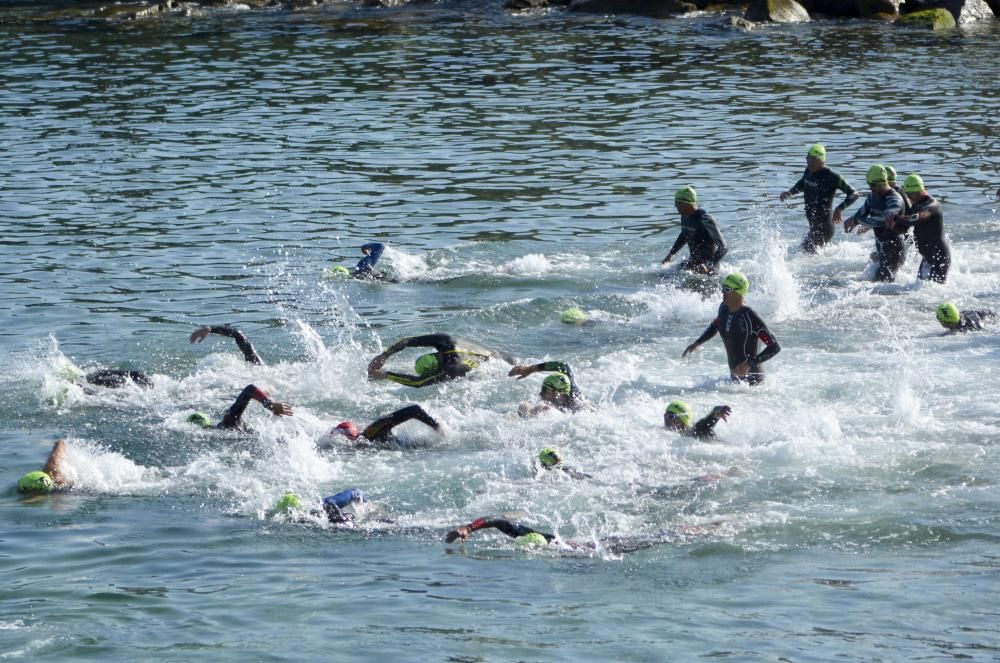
(817, 151)
(533, 539)
(680, 411)
(573, 316)
(339, 270)
(558, 383)
(288, 502)
(36, 482)
(947, 314)
(737, 282)
(890, 172)
(549, 457)
(686, 195)
(427, 364)
(200, 419)
(876, 174)
(913, 183)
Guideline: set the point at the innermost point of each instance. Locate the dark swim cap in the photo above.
(36, 482)
(558, 383)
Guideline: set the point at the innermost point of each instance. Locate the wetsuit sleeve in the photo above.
(367, 264)
(705, 427)
(382, 427)
(711, 331)
(850, 192)
(760, 330)
(907, 221)
(242, 341)
(511, 529)
(575, 473)
(678, 245)
(713, 231)
(234, 415)
(345, 497)
(440, 342)
(408, 380)
(799, 186)
(861, 212)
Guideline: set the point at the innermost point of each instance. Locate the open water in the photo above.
(157, 176)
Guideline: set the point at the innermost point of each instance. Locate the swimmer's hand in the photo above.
(785, 195)
(742, 369)
(460, 533)
(722, 412)
(199, 334)
(689, 349)
(838, 216)
(375, 371)
(280, 409)
(667, 259)
(521, 372)
(850, 224)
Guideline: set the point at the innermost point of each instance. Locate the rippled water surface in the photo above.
(205, 170)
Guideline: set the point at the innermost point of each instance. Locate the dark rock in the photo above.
(777, 11)
(839, 8)
(654, 8)
(882, 9)
(964, 11)
(935, 19)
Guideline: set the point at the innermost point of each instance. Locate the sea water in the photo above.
(159, 176)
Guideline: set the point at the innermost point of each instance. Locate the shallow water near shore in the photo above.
(206, 170)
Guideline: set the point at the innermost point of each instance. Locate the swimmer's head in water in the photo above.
(288, 502)
(877, 175)
(549, 457)
(913, 183)
(736, 282)
(557, 383)
(948, 314)
(573, 316)
(347, 429)
(678, 412)
(35, 482)
(338, 271)
(532, 539)
(200, 419)
(817, 151)
(890, 173)
(686, 195)
(427, 364)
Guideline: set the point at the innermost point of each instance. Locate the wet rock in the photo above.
(966, 11)
(935, 19)
(776, 11)
(524, 5)
(740, 23)
(654, 8)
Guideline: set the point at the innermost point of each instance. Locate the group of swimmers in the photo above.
(889, 210)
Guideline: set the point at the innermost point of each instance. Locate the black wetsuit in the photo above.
(114, 378)
(242, 341)
(380, 431)
(705, 427)
(234, 415)
(929, 235)
(453, 362)
(576, 400)
(890, 246)
(704, 240)
(818, 191)
(973, 320)
(571, 472)
(740, 333)
(365, 268)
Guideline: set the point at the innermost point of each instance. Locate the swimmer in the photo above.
(333, 506)
(114, 379)
(677, 417)
(452, 359)
(527, 536)
(249, 354)
(233, 419)
(882, 203)
(927, 221)
(379, 432)
(740, 329)
(819, 185)
(559, 390)
(700, 232)
(956, 321)
(891, 175)
(550, 459)
(365, 269)
(50, 477)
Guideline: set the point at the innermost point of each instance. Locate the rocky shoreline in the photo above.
(932, 14)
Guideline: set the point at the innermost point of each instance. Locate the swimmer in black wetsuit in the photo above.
(819, 185)
(559, 390)
(891, 176)
(379, 432)
(956, 321)
(550, 459)
(50, 477)
(741, 329)
(333, 506)
(524, 535)
(882, 203)
(233, 419)
(249, 354)
(678, 414)
(452, 359)
(113, 379)
(365, 269)
(927, 221)
(701, 234)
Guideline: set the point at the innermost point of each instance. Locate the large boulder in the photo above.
(935, 19)
(964, 11)
(654, 8)
(776, 11)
